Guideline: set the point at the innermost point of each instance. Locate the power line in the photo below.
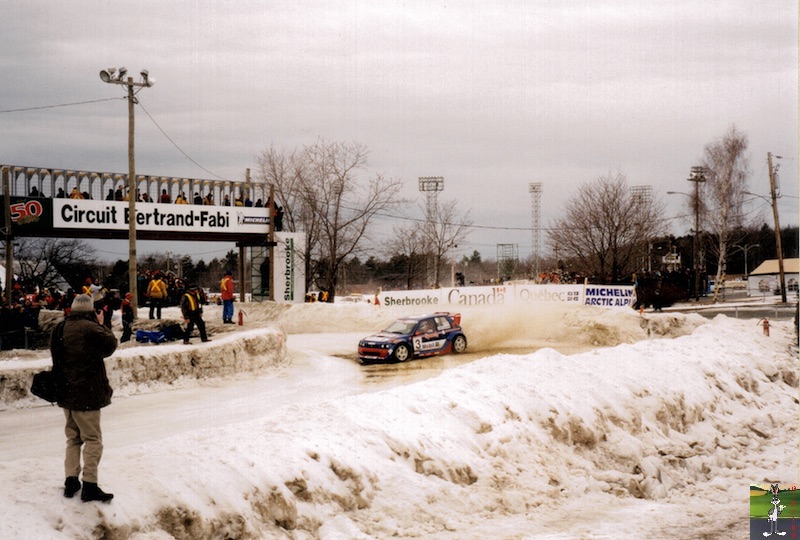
(175, 144)
(26, 109)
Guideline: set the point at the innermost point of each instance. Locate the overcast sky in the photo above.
(490, 95)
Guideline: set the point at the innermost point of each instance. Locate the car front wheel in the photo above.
(459, 344)
(402, 353)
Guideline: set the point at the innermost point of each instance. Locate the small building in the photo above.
(765, 279)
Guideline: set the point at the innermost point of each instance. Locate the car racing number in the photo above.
(420, 345)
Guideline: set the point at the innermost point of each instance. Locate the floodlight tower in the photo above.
(697, 175)
(535, 189)
(431, 186)
(642, 194)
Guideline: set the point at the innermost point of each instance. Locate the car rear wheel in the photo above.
(402, 353)
(459, 344)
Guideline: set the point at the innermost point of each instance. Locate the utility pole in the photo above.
(108, 76)
(9, 236)
(243, 252)
(271, 238)
(778, 247)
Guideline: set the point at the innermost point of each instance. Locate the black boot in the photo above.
(71, 486)
(92, 492)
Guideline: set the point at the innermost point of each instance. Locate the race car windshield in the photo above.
(401, 327)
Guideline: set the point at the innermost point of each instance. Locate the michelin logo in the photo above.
(241, 219)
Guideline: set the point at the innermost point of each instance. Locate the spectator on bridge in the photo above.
(110, 196)
(75, 193)
(34, 192)
(181, 198)
(165, 198)
(60, 194)
(226, 201)
(119, 195)
(198, 200)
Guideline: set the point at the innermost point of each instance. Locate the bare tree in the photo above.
(444, 228)
(285, 171)
(55, 262)
(323, 193)
(409, 243)
(724, 191)
(607, 228)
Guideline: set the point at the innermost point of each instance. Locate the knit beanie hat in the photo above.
(82, 304)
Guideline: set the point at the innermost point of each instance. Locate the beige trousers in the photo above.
(83, 429)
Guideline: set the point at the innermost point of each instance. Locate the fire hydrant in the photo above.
(241, 317)
(765, 323)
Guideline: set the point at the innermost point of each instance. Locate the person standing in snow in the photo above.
(127, 318)
(78, 347)
(157, 292)
(226, 290)
(192, 309)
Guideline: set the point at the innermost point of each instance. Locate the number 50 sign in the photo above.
(25, 211)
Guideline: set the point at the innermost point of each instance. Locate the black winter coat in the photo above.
(85, 344)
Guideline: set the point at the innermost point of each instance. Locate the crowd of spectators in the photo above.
(19, 320)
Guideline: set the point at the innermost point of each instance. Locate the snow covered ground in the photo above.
(615, 425)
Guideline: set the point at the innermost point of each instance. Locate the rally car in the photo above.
(415, 337)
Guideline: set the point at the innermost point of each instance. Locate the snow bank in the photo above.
(135, 369)
(657, 439)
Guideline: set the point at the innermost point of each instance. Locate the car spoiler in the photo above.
(456, 316)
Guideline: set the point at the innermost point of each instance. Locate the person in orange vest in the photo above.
(192, 309)
(157, 293)
(87, 287)
(226, 290)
